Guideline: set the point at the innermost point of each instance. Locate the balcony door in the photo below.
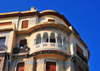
(20, 66)
(50, 66)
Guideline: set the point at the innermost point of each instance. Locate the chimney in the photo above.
(32, 8)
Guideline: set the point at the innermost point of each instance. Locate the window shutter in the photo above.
(20, 66)
(80, 69)
(25, 24)
(79, 49)
(51, 66)
(6, 23)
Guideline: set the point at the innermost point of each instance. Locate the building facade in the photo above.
(40, 41)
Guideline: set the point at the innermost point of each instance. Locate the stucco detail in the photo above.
(28, 62)
(61, 63)
(41, 61)
(69, 63)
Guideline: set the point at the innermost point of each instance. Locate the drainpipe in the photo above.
(10, 60)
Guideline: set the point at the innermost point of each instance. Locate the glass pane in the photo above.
(0, 41)
(3, 41)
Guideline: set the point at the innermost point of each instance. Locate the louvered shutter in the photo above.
(51, 66)
(20, 66)
(79, 49)
(6, 23)
(25, 24)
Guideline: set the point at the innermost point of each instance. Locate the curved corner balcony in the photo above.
(53, 48)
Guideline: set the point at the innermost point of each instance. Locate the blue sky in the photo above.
(84, 15)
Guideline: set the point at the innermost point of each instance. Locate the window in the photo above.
(20, 66)
(25, 24)
(50, 66)
(6, 23)
(79, 49)
(23, 43)
(80, 69)
(0, 61)
(2, 41)
(51, 20)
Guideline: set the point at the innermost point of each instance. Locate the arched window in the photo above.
(20, 66)
(38, 39)
(45, 37)
(52, 38)
(59, 39)
(66, 41)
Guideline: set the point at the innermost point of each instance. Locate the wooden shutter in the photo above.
(79, 49)
(20, 66)
(25, 24)
(51, 66)
(80, 69)
(6, 23)
(51, 20)
(2, 63)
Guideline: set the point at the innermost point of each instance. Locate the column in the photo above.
(41, 39)
(49, 39)
(34, 41)
(56, 39)
(62, 42)
(27, 43)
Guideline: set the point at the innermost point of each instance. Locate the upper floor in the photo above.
(29, 32)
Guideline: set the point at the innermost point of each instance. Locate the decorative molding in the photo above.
(41, 61)
(33, 20)
(69, 63)
(48, 49)
(28, 62)
(52, 45)
(37, 46)
(45, 45)
(61, 63)
(8, 37)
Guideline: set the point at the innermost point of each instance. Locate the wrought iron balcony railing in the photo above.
(82, 57)
(2, 47)
(23, 49)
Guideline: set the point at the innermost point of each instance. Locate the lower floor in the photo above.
(43, 62)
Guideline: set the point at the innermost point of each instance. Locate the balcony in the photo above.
(2, 47)
(82, 57)
(19, 50)
(52, 45)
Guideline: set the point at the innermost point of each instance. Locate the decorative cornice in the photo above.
(41, 61)
(28, 62)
